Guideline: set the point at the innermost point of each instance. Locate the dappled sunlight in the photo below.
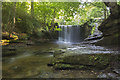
(4, 42)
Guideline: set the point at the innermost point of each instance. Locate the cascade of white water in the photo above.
(70, 34)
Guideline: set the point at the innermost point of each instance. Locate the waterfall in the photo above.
(96, 31)
(70, 34)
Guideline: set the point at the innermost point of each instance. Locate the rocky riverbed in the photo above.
(54, 60)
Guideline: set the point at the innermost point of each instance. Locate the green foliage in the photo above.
(24, 21)
(93, 29)
(118, 2)
(46, 14)
(57, 29)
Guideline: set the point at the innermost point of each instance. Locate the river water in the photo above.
(31, 61)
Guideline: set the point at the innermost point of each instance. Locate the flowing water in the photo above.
(31, 61)
(71, 34)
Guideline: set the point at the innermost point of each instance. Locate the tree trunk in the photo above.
(105, 16)
(107, 12)
(14, 20)
(32, 8)
(14, 15)
(45, 20)
(54, 15)
(114, 8)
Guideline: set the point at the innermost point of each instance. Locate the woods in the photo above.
(39, 18)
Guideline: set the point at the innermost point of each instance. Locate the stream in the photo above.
(30, 61)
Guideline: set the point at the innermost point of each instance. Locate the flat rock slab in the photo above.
(84, 61)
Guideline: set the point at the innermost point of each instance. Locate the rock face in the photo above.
(87, 29)
(96, 35)
(110, 27)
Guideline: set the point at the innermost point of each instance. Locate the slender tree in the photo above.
(14, 15)
(105, 12)
(12, 27)
(32, 8)
(53, 19)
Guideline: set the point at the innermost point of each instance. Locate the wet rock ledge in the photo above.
(85, 61)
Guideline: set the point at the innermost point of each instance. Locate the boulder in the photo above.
(111, 28)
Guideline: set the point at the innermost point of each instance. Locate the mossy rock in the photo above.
(91, 61)
(61, 66)
(59, 52)
(98, 60)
